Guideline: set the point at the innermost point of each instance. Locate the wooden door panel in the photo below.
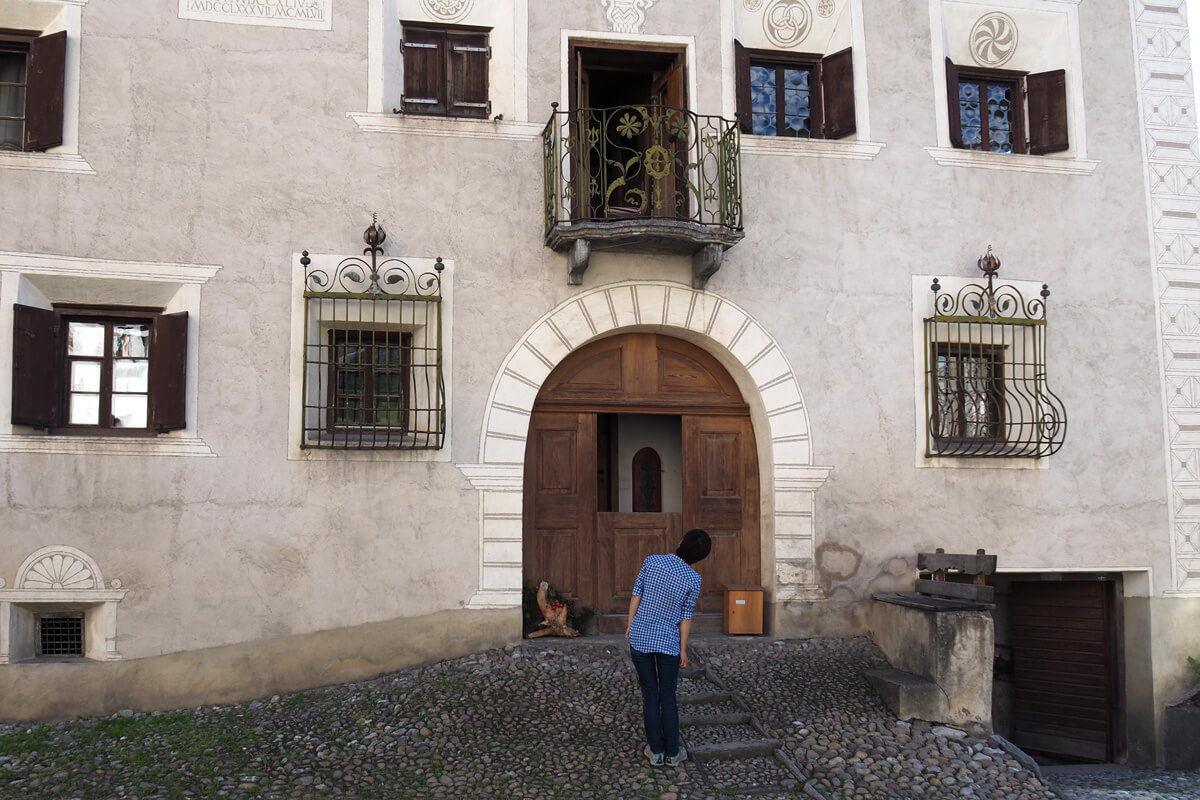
(720, 494)
(556, 551)
(560, 501)
(1063, 668)
(625, 539)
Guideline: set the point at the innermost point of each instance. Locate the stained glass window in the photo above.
(781, 100)
(986, 111)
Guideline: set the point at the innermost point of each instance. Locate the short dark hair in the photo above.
(695, 546)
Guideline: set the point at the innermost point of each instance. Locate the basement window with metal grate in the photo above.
(60, 635)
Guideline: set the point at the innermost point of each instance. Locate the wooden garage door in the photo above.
(1064, 668)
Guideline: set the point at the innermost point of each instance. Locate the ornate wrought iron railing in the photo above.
(641, 162)
(986, 394)
(373, 353)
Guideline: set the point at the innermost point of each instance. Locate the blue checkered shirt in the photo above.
(669, 589)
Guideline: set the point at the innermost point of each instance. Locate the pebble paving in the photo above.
(545, 720)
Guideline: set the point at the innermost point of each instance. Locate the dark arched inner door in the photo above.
(574, 536)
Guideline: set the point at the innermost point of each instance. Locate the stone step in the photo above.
(700, 698)
(746, 748)
(739, 718)
(908, 696)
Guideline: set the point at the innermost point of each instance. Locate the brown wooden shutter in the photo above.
(837, 88)
(45, 85)
(168, 372)
(468, 90)
(741, 62)
(35, 376)
(424, 71)
(1046, 94)
(952, 109)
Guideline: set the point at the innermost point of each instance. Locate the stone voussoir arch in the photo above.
(703, 317)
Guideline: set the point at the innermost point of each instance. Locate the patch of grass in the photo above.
(30, 740)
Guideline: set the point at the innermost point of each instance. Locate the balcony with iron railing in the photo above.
(642, 179)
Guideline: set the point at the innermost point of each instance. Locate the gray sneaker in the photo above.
(673, 761)
(656, 759)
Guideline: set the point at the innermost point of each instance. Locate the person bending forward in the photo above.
(660, 619)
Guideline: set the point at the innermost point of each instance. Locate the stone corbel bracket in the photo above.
(55, 578)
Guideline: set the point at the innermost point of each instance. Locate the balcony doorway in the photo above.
(629, 111)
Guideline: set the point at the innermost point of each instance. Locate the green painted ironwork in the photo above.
(986, 394)
(642, 162)
(373, 365)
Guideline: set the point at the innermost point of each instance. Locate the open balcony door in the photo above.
(633, 176)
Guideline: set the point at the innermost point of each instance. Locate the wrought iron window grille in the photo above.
(641, 162)
(60, 635)
(373, 368)
(986, 393)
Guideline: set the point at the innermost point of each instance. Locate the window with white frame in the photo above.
(39, 85)
(99, 364)
(1009, 86)
(438, 65)
(372, 367)
(986, 392)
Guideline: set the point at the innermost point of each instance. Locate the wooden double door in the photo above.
(576, 534)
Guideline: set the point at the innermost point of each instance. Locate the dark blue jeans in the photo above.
(658, 674)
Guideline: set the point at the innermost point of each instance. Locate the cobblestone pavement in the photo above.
(541, 720)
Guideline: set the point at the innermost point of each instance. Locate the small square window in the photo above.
(60, 635)
(968, 387)
(369, 379)
(795, 95)
(445, 71)
(1001, 111)
(32, 75)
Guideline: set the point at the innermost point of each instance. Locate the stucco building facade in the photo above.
(241, 454)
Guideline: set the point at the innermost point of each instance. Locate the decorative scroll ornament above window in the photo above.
(993, 39)
(985, 372)
(626, 16)
(447, 10)
(60, 567)
(787, 22)
(373, 367)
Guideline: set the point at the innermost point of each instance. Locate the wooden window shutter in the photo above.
(468, 72)
(35, 376)
(1046, 94)
(45, 85)
(952, 109)
(424, 71)
(741, 62)
(837, 87)
(168, 372)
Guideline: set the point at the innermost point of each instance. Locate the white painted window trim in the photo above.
(922, 307)
(858, 148)
(851, 149)
(185, 278)
(30, 597)
(385, 69)
(296, 363)
(947, 156)
(65, 157)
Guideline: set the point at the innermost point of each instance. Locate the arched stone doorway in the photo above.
(744, 347)
(603, 404)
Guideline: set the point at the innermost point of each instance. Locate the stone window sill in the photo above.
(105, 445)
(854, 149)
(47, 162)
(1013, 162)
(446, 126)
